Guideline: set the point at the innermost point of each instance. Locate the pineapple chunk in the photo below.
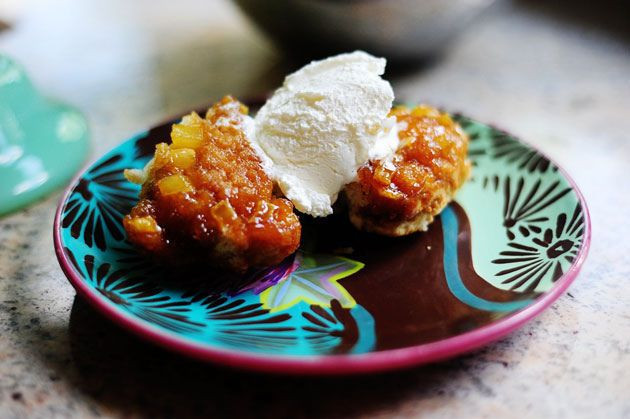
(223, 213)
(445, 119)
(187, 136)
(137, 176)
(161, 155)
(144, 225)
(383, 175)
(183, 157)
(174, 184)
(391, 193)
(192, 119)
(263, 211)
(424, 110)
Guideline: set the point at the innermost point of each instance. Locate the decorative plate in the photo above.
(346, 302)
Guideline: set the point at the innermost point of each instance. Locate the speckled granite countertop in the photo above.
(559, 78)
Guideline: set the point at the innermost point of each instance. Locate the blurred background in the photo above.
(520, 63)
(555, 73)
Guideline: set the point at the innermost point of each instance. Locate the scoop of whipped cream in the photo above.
(328, 119)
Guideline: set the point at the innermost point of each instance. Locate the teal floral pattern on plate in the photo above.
(42, 142)
(541, 222)
(516, 229)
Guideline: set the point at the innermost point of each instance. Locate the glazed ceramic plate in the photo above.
(42, 142)
(346, 302)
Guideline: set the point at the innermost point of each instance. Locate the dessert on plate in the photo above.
(225, 189)
(206, 196)
(402, 194)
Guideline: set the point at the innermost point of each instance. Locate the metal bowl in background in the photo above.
(400, 30)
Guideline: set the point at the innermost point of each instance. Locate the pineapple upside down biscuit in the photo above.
(402, 195)
(206, 197)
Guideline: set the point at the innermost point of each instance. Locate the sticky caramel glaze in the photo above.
(207, 198)
(402, 196)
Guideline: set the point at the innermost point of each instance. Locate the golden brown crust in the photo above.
(402, 196)
(206, 197)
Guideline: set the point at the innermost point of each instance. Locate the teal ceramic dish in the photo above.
(42, 142)
(346, 302)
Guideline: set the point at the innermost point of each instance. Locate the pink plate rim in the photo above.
(328, 364)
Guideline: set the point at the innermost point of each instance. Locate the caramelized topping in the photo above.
(208, 196)
(429, 164)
